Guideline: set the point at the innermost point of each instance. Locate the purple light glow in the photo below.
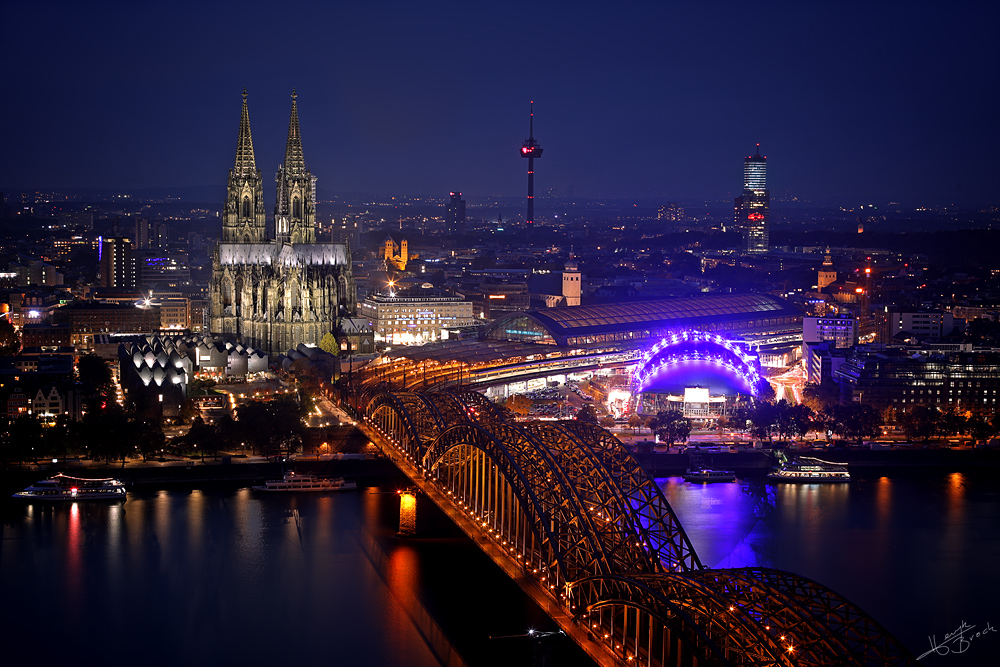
(696, 357)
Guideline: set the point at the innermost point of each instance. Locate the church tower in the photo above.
(243, 215)
(571, 286)
(827, 274)
(295, 208)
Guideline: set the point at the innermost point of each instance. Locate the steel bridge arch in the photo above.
(412, 420)
(540, 511)
(404, 419)
(837, 624)
(769, 618)
(455, 407)
(654, 520)
(599, 601)
(585, 522)
(583, 477)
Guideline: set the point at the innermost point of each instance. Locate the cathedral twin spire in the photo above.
(246, 165)
(243, 219)
(295, 207)
(294, 162)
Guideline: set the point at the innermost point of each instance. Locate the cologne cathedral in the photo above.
(274, 293)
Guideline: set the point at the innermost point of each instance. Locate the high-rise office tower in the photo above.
(149, 234)
(141, 233)
(531, 149)
(117, 265)
(454, 217)
(753, 206)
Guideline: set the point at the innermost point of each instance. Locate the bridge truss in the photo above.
(585, 524)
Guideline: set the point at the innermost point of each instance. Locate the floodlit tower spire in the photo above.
(295, 207)
(531, 149)
(243, 217)
(294, 161)
(245, 165)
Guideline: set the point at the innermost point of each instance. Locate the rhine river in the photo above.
(223, 575)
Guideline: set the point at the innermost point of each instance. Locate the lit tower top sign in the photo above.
(755, 172)
(531, 149)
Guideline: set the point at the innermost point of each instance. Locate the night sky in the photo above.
(851, 103)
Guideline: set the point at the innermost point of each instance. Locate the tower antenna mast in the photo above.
(531, 149)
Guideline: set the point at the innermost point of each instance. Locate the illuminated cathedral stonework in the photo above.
(275, 293)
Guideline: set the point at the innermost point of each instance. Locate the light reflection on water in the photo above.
(228, 576)
(918, 553)
(202, 577)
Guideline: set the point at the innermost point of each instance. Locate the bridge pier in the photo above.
(407, 513)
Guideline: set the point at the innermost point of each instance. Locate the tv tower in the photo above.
(531, 149)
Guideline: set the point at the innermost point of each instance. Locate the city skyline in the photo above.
(309, 256)
(883, 103)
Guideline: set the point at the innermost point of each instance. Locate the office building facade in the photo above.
(752, 209)
(117, 265)
(454, 218)
(417, 316)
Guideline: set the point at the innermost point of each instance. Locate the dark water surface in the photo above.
(920, 553)
(234, 577)
(227, 576)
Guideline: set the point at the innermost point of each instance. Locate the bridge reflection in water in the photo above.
(566, 511)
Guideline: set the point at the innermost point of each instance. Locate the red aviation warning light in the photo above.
(531, 149)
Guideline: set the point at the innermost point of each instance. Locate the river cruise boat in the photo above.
(306, 483)
(63, 487)
(707, 475)
(809, 470)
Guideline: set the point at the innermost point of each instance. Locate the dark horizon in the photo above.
(874, 104)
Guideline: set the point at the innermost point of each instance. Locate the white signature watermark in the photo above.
(957, 641)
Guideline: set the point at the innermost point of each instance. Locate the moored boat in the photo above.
(306, 483)
(809, 470)
(707, 475)
(64, 487)
(699, 473)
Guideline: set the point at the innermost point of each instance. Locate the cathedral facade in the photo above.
(275, 293)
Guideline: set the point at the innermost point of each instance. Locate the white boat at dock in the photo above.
(64, 487)
(301, 482)
(809, 470)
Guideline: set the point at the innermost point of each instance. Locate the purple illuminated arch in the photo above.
(688, 351)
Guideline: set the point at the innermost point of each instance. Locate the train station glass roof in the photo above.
(578, 324)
